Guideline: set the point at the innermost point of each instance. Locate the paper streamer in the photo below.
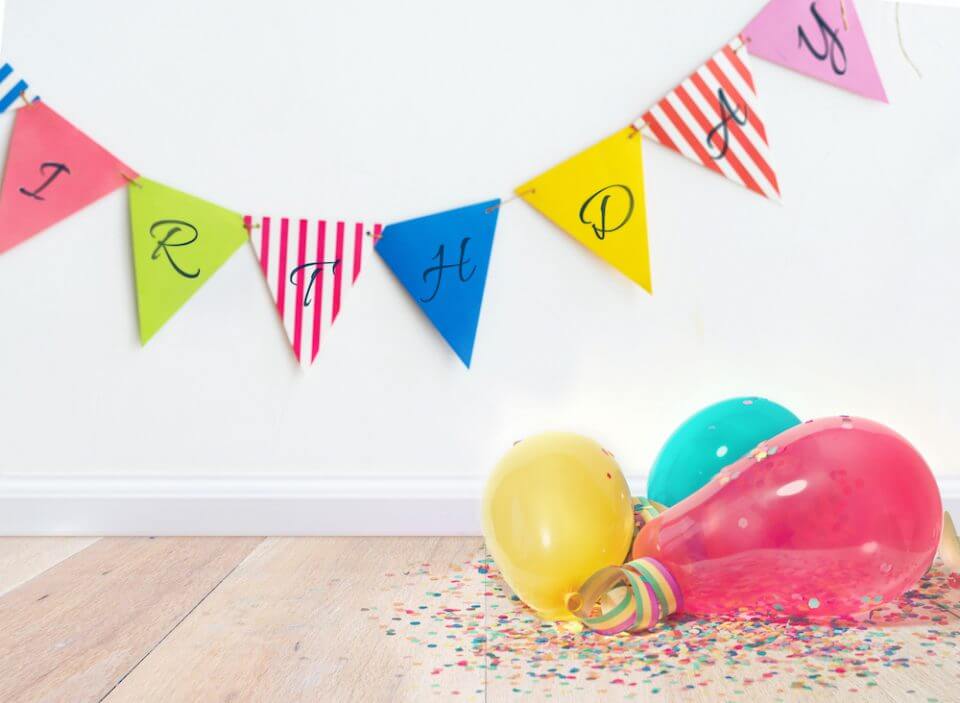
(645, 510)
(652, 594)
(713, 118)
(442, 261)
(822, 39)
(629, 598)
(310, 267)
(597, 198)
(179, 242)
(52, 171)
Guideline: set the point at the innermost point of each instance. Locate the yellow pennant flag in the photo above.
(597, 198)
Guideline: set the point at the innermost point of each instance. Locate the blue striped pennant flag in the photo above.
(12, 86)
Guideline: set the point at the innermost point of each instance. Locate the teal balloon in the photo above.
(711, 439)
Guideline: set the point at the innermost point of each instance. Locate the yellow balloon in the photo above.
(556, 510)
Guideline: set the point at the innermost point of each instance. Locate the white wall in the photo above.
(843, 299)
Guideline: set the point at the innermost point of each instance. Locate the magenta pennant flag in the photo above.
(311, 266)
(820, 38)
(53, 169)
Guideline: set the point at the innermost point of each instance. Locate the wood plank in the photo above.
(22, 558)
(73, 632)
(307, 620)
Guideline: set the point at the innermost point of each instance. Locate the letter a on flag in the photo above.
(820, 38)
(442, 261)
(713, 118)
(311, 267)
(179, 242)
(53, 169)
(597, 198)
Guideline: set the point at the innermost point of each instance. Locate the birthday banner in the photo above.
(714, 118)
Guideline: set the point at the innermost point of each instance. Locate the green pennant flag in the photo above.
(179, 242)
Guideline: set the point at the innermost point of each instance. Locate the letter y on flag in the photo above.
(820, 38)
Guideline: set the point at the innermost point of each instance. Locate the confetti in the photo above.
(471, 620)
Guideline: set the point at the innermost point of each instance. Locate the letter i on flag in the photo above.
(52, 171)
(442, 261)
(820, 38)
(179, 242)
(310, 267)
(597, 198)
(713, 118)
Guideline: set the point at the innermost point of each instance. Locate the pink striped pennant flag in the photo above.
(310, 267)
(713, 118)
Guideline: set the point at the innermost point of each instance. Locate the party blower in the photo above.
(831, 517)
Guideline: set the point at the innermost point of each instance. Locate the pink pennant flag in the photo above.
(310, 266)
(821, 38)
(53, 169)
(713, 118)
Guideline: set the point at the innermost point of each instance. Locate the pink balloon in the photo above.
(831, 517)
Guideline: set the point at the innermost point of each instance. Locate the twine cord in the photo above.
(903, 49)
(507, 201)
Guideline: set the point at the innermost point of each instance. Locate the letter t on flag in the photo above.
(442, 261)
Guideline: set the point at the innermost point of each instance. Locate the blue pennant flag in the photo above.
(12, 86)
(442, 261)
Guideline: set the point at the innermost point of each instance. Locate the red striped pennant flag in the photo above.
(713, 118)
(310, 267)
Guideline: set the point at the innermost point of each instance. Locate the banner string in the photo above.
(843, 15)
(903, 49)
(131, 180)
(510, 199)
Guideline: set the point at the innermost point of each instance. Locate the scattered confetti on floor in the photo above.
(468, 620)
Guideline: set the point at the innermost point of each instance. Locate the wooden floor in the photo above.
(413, 619)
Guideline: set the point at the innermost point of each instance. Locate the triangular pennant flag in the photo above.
(442, 261)
(179, 241)
(13, 88)
(597, 198)
(310, 267)
(823, 39)
(53, 169)
(713, 118)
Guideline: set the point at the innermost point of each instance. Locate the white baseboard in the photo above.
(257, 505)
